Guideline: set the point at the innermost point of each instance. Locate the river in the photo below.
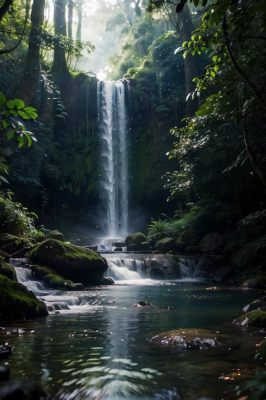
(100, 348)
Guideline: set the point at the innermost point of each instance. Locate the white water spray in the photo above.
(113, 133)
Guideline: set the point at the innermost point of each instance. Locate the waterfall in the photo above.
(154, 268)
(112, 121)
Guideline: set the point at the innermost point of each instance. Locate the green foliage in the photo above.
(11, 112)
(16, 219)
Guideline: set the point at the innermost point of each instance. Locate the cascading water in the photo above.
(112, 121)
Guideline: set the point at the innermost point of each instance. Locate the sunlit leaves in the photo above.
(12, 112)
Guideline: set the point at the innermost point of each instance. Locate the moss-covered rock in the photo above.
(53, 280)
(15, 245)
(71, 262)
(166, 244)
(135, 240)
(18, 302)
(55, 235)
(7, 270)
(255, 318)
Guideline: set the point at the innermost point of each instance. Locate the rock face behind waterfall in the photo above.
(72, 262)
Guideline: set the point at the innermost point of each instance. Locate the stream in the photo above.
(96, 345)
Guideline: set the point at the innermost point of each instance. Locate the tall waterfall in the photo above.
(114, 160)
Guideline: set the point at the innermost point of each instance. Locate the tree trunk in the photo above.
(59, 63)
(190, 62)
(70, 19)
(32, 63)
(79, 27)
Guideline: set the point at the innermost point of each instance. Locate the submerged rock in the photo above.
(142, 303)
(18, 302)
(5, 351)
(107, 280)
(21, 390)
(71, 262)
(194, 339)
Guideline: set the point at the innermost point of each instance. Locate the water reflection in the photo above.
(104, 352)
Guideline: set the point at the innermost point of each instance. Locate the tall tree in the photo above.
(79, 27)
(59, 63)
(70, 19)
(32, 63)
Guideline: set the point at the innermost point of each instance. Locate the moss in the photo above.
(166, 244)
(136, 238)
(55, 235)
(7, 270)
(255, 318)
(17, 302)
(13, 244)
(72, 262)
(50, 278)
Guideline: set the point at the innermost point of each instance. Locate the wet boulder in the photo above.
(53, 280)
(7, 270)
(107, 280)
(135, 240)
(55, 235)
(195, 339)
(256, 304)
(17, 302)
(71, 262)
(255, 318)
(166, 244)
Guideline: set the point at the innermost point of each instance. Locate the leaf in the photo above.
(10, 104)
(32, 112)
(10, 134)
(2, 99)
(23, 114)
(19, 104)
(5, 123)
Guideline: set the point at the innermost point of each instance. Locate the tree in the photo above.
(59, 66)
(79, 27)
(32, 63)
(70, 19)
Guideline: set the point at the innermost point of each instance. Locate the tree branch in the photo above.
(235, 63)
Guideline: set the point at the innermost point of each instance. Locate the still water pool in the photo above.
(101, 349)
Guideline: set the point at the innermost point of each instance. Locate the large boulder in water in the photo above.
(71, 262)
(195, 339)
(18, 302)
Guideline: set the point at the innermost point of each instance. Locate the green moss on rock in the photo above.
(72, 262)
(55, 235)
(255, 318)
(166, 244)
(53, 280)
(13, 244)
(7, 270)
(17, 302)
(135, 240)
